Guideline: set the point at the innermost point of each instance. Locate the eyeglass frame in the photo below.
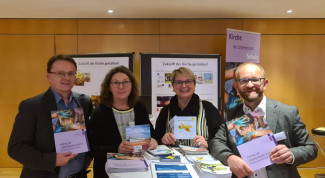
(189, 82)
(250, 80)
(62, 74)
(116, 84)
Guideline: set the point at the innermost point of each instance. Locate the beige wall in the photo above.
(291, 53)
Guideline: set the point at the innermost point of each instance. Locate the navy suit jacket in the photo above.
(280, 117)
(32, 141)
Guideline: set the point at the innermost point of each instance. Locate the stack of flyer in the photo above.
(161, 150)
(117, 162)
(199, 158)
(190, 150)
(172, 170)
(207, 169)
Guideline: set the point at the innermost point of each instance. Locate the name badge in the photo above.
(280, 136)
(131, 124)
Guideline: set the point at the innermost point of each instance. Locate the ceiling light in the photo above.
(110, 11)
(289, 11)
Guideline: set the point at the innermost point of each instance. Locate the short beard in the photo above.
(250, 99)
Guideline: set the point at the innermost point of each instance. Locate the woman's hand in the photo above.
(152, 144)
(168, 139)
(200, 142)
(125, 147)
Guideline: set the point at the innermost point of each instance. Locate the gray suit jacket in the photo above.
(280, 117)
(32, 141)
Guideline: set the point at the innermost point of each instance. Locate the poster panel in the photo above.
(206, 71)
(242, 46)
(93, 69)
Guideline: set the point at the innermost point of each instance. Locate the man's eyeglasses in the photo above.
(117, 84)
(255, 81)
(180, 82)
(63, 74)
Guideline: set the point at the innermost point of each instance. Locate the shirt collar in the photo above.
(58, 98)
(260, 107)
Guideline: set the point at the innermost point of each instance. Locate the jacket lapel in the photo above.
(272, 114)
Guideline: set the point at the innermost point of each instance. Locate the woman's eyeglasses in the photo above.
(116, 84)
(187, 82)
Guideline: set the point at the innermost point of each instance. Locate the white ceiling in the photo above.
(162, 8)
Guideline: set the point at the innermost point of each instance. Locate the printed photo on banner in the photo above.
(66, 120)
(91, 73)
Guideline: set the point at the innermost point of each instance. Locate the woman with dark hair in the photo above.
(119, 107)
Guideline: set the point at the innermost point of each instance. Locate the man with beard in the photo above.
(296, 149)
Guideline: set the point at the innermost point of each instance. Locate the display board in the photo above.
(92, 69)
(155, 77)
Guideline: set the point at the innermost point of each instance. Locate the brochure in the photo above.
(161, 150)
(124, 156)
(172, 170)
(199, 158)
(212, 169)
(184, 127)
(170, 158)
(191, 150)
(254, 139)
(70, 131)
(135, 165)
(139, 136)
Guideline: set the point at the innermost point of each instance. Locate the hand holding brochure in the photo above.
(70, 131)
(254, 139)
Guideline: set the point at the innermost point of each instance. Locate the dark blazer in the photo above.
(106, 136)
(32, 141)
(280, 117)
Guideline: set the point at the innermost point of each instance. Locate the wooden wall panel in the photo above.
(198, 26)
(66, 44)
(38, 26)
(293, 65)
(285, 26)
(206, 44)
(118, 44)
(23, 75)
(114, 26)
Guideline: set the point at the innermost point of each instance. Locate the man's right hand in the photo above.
(63, 158)
(238, 166)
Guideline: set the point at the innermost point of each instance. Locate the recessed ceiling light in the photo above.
(289, 11)
(110, 11)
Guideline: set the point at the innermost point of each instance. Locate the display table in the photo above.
(148, 173)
